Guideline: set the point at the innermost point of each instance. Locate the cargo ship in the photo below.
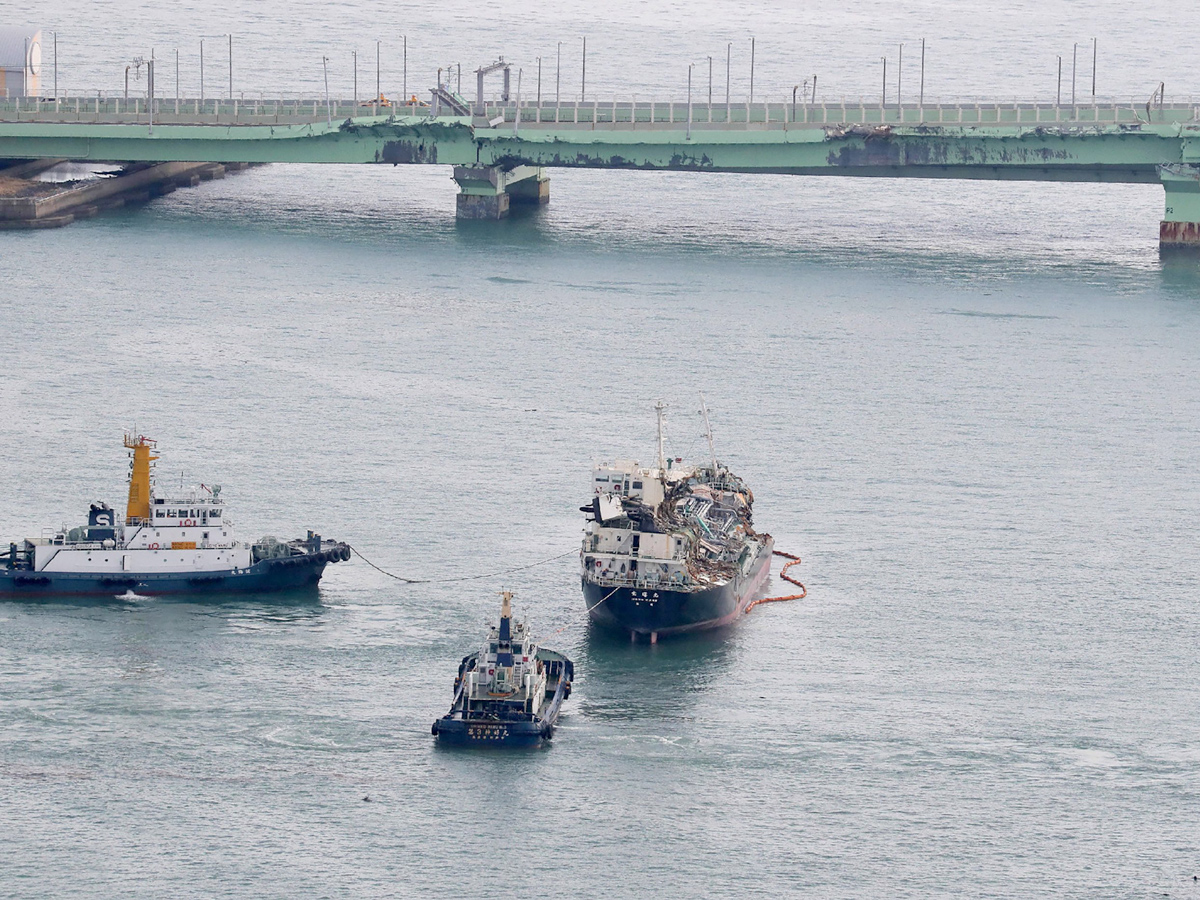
(508, 693)
(165, 544)
(671, 548)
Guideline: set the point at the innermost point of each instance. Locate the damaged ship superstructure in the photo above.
(670, 548)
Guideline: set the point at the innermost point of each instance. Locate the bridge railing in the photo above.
(136, 110)
(613, 114)
(786, 114)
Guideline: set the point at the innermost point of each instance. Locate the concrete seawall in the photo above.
(37, 204)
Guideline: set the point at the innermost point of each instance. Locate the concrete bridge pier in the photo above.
(1180, 226)
(485, 192)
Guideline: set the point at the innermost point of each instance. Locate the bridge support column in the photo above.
(1180, 226)
(532, 191)
(486, 191)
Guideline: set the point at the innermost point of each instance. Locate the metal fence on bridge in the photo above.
(623, 115)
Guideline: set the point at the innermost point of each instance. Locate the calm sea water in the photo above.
(971, 408)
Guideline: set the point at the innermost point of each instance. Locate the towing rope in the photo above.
(460, 577)
(794, 561)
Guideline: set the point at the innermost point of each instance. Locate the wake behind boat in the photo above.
(182, 543)
(671, 548)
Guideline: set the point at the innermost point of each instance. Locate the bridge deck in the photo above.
(1031, 141)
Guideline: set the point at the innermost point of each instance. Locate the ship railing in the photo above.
(640, 583)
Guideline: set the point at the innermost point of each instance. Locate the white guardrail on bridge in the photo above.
(590, 114)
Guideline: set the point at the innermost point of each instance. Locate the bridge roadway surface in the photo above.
(503, 153)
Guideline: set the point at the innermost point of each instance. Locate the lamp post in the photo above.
(55, 33)
(900, 85)
(231, 67)
(557, 77)
(328, 108)
(751, 70)
(689, 125)
(583, 80)
(539, 88)
(728, 58)
(1074, 62)
(710, 85)
(921, 101)
(354, 53)
(405, 67)
(202, 71)
(1058, 96)
(1093, 71)
(883, 102)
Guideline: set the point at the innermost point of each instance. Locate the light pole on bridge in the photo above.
(921, 101)
(202, 71)
(328, 108)
(689, 124)
(710, 88)
(1074, 62)
(557, 79)
(583, 80)
(231, 67)
(539, 88)
(751, 71)
(728, 59)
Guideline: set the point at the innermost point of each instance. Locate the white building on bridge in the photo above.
(20, 60)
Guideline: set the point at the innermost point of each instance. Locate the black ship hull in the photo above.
(659, 611)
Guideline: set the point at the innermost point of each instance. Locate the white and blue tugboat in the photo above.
(671, 548)
(510, 692)
(180, 543)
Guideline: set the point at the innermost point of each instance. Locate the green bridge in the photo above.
(500, 151)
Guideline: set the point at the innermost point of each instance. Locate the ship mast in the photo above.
(708, 432)
(660, 408)
(137, 510)
(505, 615)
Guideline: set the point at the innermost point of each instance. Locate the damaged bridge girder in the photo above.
(1100, 153)
(501, 162)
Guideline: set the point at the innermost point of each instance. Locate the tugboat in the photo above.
(181, 543)
(510, 692)
(672, 548)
